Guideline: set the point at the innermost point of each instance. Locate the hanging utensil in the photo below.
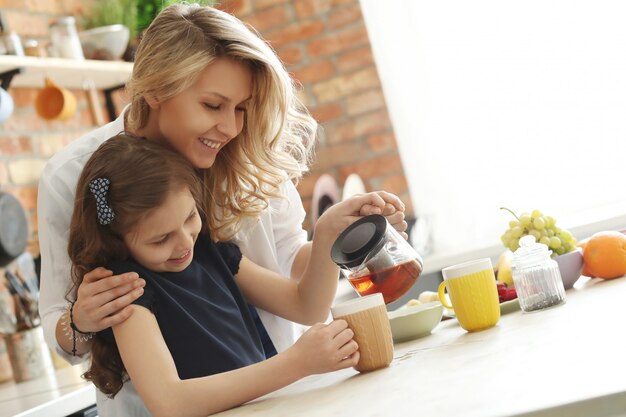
(26, 305)
(8, 321)
(13, 228)
(26, 270)
(94, 104)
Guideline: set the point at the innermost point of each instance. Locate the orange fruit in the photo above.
(605, 255)
(582, 244)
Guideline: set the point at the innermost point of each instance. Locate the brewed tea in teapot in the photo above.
(376, 258)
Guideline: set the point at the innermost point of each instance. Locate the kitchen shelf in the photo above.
(68, 73)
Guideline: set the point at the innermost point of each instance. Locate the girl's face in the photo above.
(163, 240)
(201, 120)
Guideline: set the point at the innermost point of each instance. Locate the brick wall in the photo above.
(324, 43)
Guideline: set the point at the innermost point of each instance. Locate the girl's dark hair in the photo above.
(141, 174)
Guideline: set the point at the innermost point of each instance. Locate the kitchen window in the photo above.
(517, 104)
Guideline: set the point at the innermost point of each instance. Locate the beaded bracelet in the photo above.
(70, 330)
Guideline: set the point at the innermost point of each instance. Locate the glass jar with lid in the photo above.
(64, 39)
(536, 276)
(10, 42)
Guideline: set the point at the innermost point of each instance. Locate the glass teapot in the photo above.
(374, 257)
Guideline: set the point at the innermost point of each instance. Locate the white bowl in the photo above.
(416, 321)
(105, 42)
(570, 266)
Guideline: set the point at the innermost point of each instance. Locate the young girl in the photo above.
(209, 88)
(190, 347)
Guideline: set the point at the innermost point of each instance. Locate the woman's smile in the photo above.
(211, 144)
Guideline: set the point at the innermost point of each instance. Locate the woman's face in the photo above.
(163, 240)
(201, 120)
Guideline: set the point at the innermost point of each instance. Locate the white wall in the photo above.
(500, 103)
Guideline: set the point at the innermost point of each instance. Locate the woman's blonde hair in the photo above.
(278, 135)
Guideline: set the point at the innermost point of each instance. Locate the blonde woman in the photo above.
(206, 86)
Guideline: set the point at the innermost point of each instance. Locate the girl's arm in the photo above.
(308, 300)
(323, 348)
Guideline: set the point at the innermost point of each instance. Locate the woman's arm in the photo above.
(393, 211)
(103, 300)
(54, 207)
(323, 348)
(308, 300)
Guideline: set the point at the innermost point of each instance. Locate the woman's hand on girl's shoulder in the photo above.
(325, 348)
(103, 299)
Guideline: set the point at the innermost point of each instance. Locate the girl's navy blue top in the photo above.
(202, 314)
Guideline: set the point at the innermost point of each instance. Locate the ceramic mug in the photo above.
(367, 317)
(54, 102)
(473, 294)
(6, 105)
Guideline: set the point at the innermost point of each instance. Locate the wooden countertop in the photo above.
(543, 363)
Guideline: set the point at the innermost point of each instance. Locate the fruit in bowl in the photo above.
(543, 228)
(504, 269)
(105, 42)
(559, 241)
(506, 293)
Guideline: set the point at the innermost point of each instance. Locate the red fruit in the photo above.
(508, 294)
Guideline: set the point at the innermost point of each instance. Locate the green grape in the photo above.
(554, 242)
(516, 231)
(524, 220)
(564, 234)
(542, 228)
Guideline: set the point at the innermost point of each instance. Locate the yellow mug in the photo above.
(473, 294)
(54, 102)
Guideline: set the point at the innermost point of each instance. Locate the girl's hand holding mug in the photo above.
(325, 348)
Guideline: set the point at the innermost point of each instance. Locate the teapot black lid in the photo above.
(358, 240)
